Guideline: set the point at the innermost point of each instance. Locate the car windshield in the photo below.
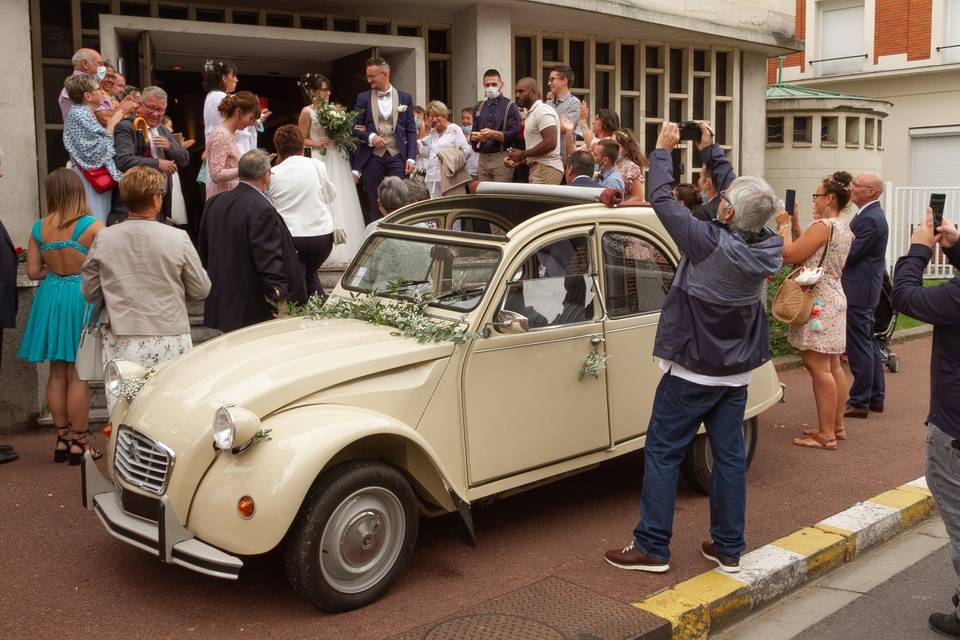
(445, 274)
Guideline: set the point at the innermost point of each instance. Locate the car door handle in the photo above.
(596, 340)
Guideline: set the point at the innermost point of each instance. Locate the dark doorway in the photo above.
(348, 77)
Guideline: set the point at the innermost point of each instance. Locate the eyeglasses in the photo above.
(820, 195)
(371, 76)
(148, 108)
(723, 196)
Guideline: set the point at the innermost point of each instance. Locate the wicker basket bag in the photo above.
(793, 302)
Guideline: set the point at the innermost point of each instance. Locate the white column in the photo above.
(18, 139)
(482, 39)
(753, 113)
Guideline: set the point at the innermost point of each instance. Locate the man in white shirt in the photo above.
(541, 136)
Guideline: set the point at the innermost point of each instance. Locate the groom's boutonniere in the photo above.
(401, 108)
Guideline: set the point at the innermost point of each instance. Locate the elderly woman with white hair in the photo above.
(441, 136)
(712, 334)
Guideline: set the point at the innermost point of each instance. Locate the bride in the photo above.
(346, 204)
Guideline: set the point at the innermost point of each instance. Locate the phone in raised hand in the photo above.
(937, 200)
(790, 202)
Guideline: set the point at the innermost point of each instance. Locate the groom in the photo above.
(386, 132)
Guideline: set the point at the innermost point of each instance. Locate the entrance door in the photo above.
(637, 274)
(524, 405)
(145, 47)
(348, 77)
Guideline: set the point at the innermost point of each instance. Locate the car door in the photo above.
(524, 406)
(637, 272)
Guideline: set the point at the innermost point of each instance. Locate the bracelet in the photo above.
(783, 226)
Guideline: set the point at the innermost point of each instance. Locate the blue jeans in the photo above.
(943, 480)
(678, 410)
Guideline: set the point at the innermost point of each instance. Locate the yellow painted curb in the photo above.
(687, 614)
(724, 596)
(913, 507)
(823, 550)
(850, 538)
(909, 488)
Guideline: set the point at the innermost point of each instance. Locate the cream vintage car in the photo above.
(370, 430)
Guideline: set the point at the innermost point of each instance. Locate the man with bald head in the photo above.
(87, 62)
(541, 136)
(862, 280)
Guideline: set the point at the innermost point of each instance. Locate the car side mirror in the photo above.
(507, 321)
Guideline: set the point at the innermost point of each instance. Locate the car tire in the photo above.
(353, 537)
(698, 464)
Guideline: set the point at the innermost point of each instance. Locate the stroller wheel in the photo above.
(893, 363)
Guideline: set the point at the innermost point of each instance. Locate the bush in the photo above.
(778, 330)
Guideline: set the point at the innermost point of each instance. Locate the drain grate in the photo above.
(552, 609)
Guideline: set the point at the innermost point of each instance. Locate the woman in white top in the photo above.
(220, 78)
(301, 193)
(442, 135)
(336, 164)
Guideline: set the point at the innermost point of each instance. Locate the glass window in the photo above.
(868, 132)
(554, 286)
(279, 20)
(140, 9)
(350, 25)
(627, 115)
(90, 14)
(250, 17)
(700, 60)
(628, 67)
(654, 99)
(637, 275)
(211, 15)
(652, 131)
(53, 77)
(828, 130)
(653, 58)
(439, 88)
(551, 50)
(678, 109)
(841, 36)
(603, 53)
(700, 103)
(478, 225)
(56, 33)
(678, 71)
(578, 62)
(802, 133)
(602, 88)
(90, 42)
(438, 41)
(722, 75)
(382, 28)
(443, 273)
(172, 12)
(56, 154)
(722, 123)
(775, 130)
(522, 58)
(408, 30)
(853, 131)
(879, 134)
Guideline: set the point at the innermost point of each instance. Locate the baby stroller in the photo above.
(885, 321)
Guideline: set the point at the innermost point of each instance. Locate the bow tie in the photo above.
(383, 94)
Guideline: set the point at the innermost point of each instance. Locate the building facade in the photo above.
(906, 52)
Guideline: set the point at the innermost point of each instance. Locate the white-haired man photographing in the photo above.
(712, 334)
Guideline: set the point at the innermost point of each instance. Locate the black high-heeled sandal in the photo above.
(81, 439)
(61, 455)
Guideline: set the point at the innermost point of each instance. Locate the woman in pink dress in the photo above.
(239, 111)
(822, 338)
(632, 163)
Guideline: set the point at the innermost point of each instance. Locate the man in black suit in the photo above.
(862, 280)
(161, 152)
(247, 251)
(8, 307)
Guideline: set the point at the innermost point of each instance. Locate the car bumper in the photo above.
(166, 538)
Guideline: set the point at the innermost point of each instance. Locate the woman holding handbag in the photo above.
(58, 244)
(822, 250)
(301, 191)
(145, 316)
(91, 146)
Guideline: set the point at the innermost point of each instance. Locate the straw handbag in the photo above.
(793, 303)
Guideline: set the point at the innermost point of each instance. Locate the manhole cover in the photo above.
(487, 626)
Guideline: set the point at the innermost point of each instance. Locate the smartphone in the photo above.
(790, 202)
(937, 200)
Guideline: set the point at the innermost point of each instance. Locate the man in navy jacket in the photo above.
(862, 280)
(386, 133)
(939, 306)
(8, 306)
(712, 334)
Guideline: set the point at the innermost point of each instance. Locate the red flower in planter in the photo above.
(21, 254)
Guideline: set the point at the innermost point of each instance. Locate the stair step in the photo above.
(200, 334)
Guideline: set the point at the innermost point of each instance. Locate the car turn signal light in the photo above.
(246, 507)
(107, 430)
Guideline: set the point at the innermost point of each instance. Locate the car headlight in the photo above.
(116, 372)
(233, 426)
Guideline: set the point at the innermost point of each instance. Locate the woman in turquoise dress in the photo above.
(58, 246)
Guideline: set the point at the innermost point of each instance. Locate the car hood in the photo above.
(261, 368)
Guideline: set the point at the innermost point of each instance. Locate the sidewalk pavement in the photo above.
(886, 594)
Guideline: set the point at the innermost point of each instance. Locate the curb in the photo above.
(788, 362)
(696, 606)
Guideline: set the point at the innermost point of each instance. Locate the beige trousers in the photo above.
(542, 174)
(490, 168)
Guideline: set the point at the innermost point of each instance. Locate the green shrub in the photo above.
(778, 330)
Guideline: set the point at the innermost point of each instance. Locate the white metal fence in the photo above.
(906, 207)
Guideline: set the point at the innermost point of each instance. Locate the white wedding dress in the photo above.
(346, 205)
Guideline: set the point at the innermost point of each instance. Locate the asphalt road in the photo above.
(62, 576)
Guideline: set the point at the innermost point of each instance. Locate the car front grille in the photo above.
(141, 461)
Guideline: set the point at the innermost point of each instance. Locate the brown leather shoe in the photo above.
(877, 408)
(854, 412)
(632, 560)
(728, 565)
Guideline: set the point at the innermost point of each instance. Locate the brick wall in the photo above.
(903, 26)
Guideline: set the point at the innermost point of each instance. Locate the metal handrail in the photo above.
(840, 58)
(949, 46)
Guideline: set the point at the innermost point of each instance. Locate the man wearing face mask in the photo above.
(606, 153)
(496, 125)
(87, 62)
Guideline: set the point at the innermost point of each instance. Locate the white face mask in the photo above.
(492, 93)
(101, 73)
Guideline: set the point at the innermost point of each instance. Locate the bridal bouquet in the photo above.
(337, 123)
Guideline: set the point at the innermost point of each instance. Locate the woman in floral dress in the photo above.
(632, 163)
(822, 339)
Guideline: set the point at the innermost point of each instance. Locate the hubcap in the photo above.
(362, 540)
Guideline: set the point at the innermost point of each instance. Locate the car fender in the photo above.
(303, 443)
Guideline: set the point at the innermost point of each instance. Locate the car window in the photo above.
(477, 225)
(555, 286)
(637, 274)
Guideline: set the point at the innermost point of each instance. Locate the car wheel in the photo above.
(698, 464)
(353, 536)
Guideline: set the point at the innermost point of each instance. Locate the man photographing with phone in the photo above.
(939, 306)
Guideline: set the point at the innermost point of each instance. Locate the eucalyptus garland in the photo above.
(594, 363)
(409, 317)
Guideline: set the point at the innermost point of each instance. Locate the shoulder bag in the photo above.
(100, 179)
(794, 302)
(89, 362)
